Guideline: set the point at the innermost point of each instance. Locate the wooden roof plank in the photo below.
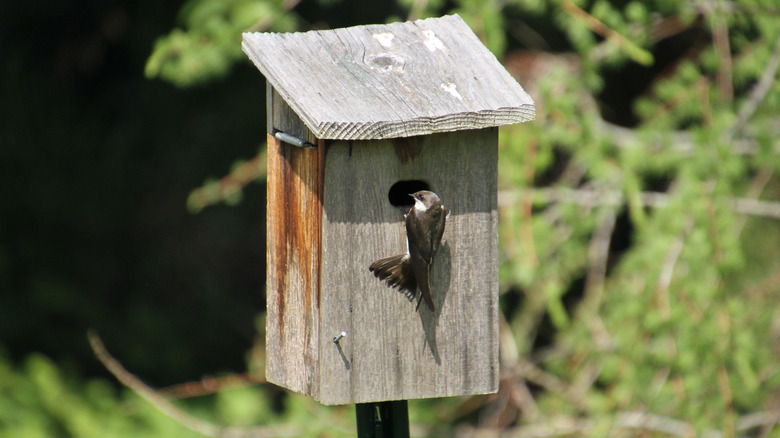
(396, 80)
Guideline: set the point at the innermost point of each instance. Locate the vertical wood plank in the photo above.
(269, 105)
(284, 119)
(391, 351)
(294, 215)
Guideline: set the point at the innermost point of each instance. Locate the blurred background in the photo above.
(639, 217)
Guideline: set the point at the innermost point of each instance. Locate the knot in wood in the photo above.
(386, 62)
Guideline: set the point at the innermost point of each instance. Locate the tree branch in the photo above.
(758, 93)
(628, 47)
(631, 420)
(210, 385)
(720, 36)
(591, 198)
(178, 415)
(213, 192)
(667, 269)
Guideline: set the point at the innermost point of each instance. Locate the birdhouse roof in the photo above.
(394, 80)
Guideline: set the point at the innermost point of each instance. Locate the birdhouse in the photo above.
(358, 119)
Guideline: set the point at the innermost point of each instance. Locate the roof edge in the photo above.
(424, 125)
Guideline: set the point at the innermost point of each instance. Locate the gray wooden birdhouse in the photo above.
(358, 118)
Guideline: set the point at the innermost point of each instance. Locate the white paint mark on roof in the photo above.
(431, 41)
(385, 39)
(452, 89)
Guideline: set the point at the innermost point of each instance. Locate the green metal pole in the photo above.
(383, 419)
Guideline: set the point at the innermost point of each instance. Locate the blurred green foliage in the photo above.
(683, 322)
(632, 280)
(40, 399)
(208, 42)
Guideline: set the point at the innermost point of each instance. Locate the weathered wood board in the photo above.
(394, 80)
(294, 217)
(392, 351)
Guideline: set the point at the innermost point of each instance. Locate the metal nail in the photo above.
(338, 338)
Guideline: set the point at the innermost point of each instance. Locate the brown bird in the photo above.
(425, 223)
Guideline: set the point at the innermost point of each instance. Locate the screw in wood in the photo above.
(295, 141)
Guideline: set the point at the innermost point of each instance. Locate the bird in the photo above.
(425, 222)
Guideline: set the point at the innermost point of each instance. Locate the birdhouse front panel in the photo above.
(393, 349)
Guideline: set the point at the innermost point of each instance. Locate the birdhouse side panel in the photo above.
(393, 350)
(294, 214)
(282, 118)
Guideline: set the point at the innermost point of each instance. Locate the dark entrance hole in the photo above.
(400, 191)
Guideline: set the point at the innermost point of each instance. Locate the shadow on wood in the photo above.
(440, 284)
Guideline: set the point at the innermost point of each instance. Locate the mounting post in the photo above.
(383, 419)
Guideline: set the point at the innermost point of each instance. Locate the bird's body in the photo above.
(425, 223)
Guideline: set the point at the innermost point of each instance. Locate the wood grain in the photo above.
(395, 80)
(294, 214)
(391, 351)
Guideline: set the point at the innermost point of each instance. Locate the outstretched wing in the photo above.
(397, 272)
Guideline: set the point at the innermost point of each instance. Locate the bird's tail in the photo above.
(422, 271)
(397, 272)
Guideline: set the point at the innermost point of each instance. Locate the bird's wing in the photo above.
(419, 239)
(436, 239)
